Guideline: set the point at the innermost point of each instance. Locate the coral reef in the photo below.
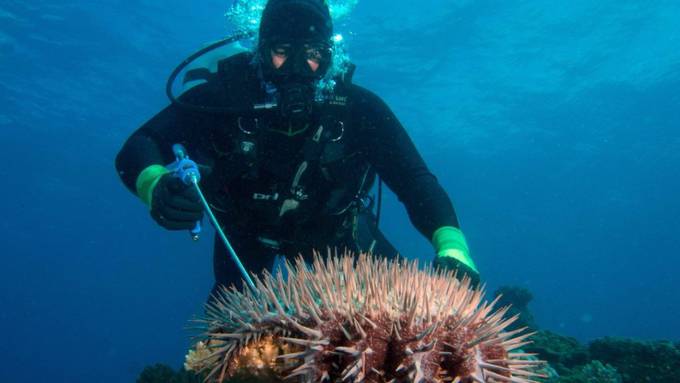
(350, 319)
(561, 352)
(603, 360)
(608, 359)
(639, 361)
(593, 372)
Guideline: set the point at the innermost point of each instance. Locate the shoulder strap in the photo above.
(239, 80)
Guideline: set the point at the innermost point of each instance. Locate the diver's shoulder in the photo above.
(231, 82)
(220, 69)
(363, 98)
(236, 64)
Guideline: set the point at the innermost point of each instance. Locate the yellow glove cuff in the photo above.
(147, 180)
(449, 242)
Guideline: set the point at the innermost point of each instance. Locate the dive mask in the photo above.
(305, 60)
(295, 68)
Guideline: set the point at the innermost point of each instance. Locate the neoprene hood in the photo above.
(296, 20)
(302, 31)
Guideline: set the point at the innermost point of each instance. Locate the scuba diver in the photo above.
(287, 168)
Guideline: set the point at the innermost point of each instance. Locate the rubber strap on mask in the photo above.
(449, 242)
(147, 180)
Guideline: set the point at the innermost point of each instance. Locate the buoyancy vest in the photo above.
(280, 184)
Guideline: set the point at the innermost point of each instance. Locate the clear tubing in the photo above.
(223, 237)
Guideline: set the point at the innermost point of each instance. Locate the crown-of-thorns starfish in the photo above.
(347, 319)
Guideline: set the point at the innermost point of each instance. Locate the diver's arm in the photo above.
(143, 157)
(396, 159)
(150, 145)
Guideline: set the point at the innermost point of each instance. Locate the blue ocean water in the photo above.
(555, 127)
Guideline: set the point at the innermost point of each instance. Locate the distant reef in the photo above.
(607, 359)
(604, 360)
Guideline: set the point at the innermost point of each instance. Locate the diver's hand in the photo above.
(450, 263)
(175, 205)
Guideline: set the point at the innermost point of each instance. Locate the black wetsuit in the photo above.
(250, 169)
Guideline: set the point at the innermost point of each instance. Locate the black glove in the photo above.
(175, 205)
(449, 263)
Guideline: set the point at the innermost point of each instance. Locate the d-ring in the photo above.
(342, 132)
(246, 131)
